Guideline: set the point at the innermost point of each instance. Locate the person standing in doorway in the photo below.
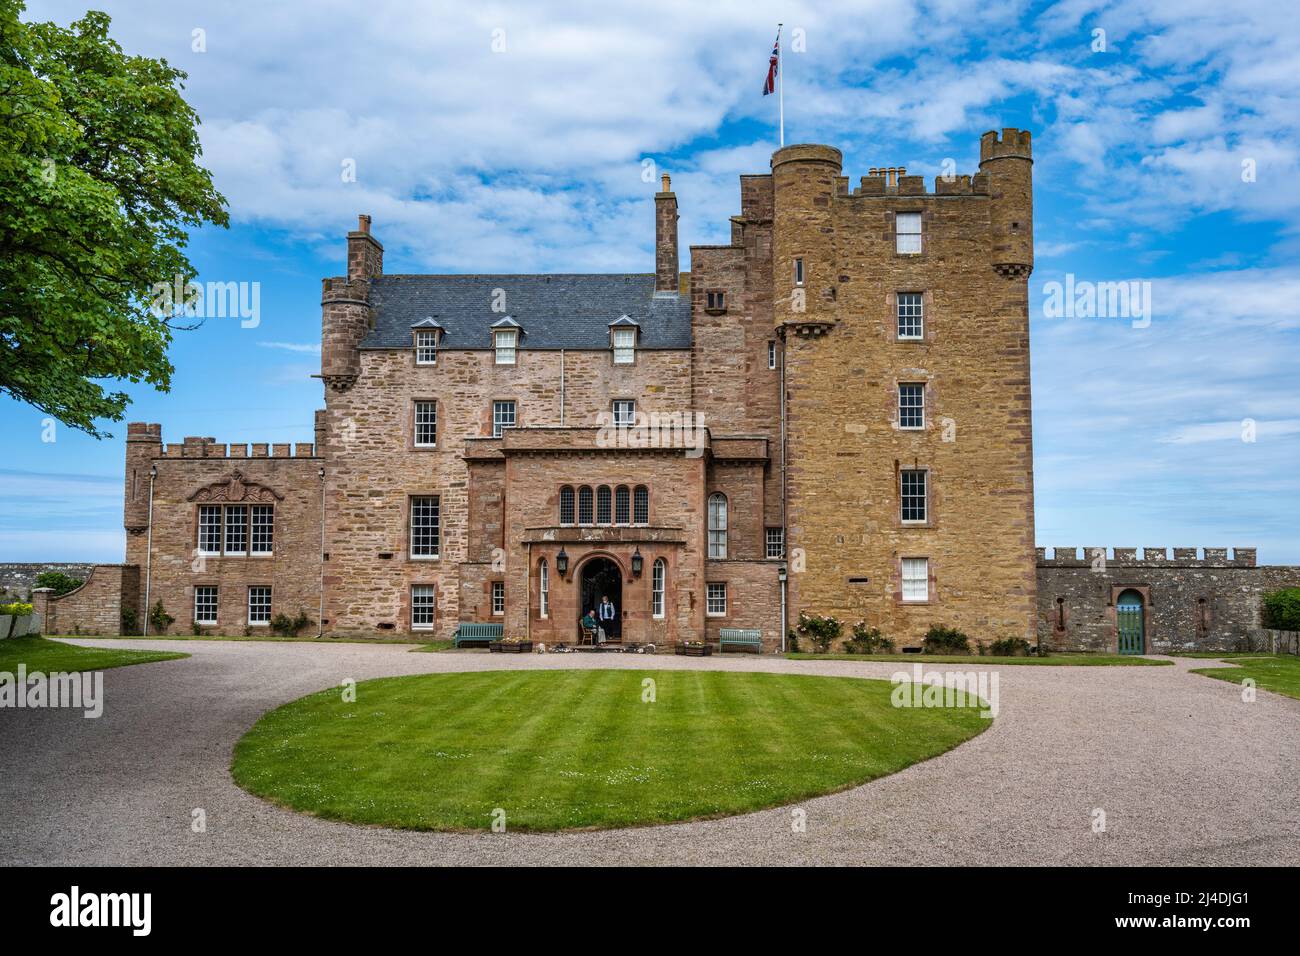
(608, 617)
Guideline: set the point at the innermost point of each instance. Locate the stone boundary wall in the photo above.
(18, 578)
(1197, 600)
(94, 608)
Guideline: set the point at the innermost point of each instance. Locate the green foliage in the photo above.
(1010, 647)
(867, 640)
(61, 583)
(18, 609)
(792, 640)
(159, 619)
(821, 631)
(130, 621)
(1281, 609)
(290, 626)
(946, 640)
(99, 185)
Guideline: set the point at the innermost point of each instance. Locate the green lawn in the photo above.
(1052, 660)
(49, 656)
(1279, 673)
(568, 749)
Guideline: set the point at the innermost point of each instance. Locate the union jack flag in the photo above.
(773, 64)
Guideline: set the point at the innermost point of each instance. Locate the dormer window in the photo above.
(425, 337)
(505, 340)
(426, 348)
(622, 340)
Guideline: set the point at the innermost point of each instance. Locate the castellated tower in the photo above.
(345, 308)
(904, 320)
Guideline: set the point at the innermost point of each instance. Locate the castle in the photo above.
(829, 414)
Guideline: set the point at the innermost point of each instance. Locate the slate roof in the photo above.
(555, 311)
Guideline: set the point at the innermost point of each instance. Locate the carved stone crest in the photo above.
(236, 489)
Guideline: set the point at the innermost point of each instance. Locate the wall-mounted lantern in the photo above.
(637, 562)
(562, 562)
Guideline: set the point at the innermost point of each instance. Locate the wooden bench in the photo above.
(750, 640)
(477, 634)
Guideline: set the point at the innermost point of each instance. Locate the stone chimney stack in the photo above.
(365, 254)
(666, 266)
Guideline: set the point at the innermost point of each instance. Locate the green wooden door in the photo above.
(1128, 618)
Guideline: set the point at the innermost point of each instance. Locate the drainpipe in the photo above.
(320, 617)
(148, 549)
(561, 388)
(783, 574)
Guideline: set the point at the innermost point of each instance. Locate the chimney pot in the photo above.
(363, 223)
(667, 183)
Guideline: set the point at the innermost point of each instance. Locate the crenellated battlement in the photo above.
(894, 181)
(194, 446)
(1155, 557)
(1013, 143)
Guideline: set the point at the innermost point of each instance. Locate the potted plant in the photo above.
(694, 649)
(15, 620)
(511, 645)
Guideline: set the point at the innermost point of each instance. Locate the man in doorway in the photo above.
(608, 617)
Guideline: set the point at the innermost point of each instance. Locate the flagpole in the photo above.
(780, 83)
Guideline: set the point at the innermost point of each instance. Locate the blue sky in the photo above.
(1170, 156)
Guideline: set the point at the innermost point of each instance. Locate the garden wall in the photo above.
(95, 607)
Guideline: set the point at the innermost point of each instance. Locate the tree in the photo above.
(99, 185)
(61, 583)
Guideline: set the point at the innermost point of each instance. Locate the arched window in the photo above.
(602, 505)
(717, 525)
(657, 574)
(544, 588)
(622, 505)
(584, 505)
(641, 505)
(566, 505)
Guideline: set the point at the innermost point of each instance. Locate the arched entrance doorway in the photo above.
(1129, 623)
(601, 578)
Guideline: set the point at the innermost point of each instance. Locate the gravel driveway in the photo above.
(1186, 772)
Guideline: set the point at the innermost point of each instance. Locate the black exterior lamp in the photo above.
(637, 562)
(562, 562)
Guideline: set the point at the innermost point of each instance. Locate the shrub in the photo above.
(60, 582)
(822, 631)
(1281, 609)
(946, 640)
(287, 626)
(1010, 647)
(792, 640)
(867, 640)
(130, 620)
(18, 609)
(159, 619)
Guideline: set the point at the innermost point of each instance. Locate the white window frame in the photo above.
(201, 591)
(771, 354)
(505, 343)
(915, 589)
(658, 577)
(905, 407)
(544, 589)
(715, 591)
(426, 417)
(774, 543)
(424, 597)
(499, 423)
(904, 496)
(261, 529)
(231, 546)
(209, 531)
(907, 242)
(426, 347)
(623, 343)
(907, 311)
(625, 420)
(498, 598)
(717, 523)
(419, 532)
(266, 607)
